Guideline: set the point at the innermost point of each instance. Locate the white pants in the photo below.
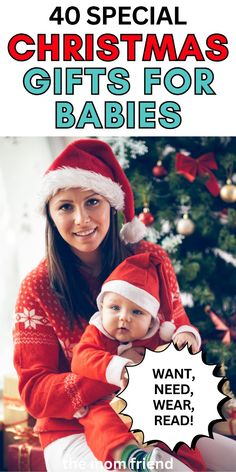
(72, 454)
(219, 453)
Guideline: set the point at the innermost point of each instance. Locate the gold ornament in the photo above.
(185, 226)
(228, 192)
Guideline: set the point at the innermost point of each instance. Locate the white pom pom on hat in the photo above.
(167, 330)
(133, 231)
(91, 164)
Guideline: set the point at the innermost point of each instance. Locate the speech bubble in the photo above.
(173, 396)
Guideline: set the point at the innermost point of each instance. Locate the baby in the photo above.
(135, 312)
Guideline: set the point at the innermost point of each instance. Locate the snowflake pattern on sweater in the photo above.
(30, 319)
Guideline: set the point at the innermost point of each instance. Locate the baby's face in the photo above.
(123, 319)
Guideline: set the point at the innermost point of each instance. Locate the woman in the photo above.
(81, 193)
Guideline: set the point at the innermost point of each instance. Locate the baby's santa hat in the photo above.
(142, 279)
(91, 165)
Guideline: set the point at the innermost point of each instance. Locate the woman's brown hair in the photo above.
(71, 288)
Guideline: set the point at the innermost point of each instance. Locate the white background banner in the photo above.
(118, 68)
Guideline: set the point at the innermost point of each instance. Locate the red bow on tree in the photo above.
(201, 166)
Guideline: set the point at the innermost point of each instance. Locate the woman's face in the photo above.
(82, 218)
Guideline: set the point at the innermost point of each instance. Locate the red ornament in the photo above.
(159, 171)
(146, 217)
(224, 216)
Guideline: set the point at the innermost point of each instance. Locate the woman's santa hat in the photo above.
(143, 280)
(91, 165)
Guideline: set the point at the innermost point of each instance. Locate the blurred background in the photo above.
(22, 163)
(185, 193)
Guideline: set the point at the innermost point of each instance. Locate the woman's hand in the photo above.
(181, 339)
(135, 354)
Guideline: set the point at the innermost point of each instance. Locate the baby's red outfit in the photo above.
(43, 352)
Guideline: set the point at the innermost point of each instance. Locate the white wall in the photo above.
(22, 163)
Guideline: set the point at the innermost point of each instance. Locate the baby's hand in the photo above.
(181, 339)
(135, 354)
(123, 379)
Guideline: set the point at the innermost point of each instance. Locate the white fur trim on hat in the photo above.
(133, 231)
(69, 177)
(135, 294)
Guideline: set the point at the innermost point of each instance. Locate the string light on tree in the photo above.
(185, 225)
(146, 216)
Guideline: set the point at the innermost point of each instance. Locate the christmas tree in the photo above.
(185, 193)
